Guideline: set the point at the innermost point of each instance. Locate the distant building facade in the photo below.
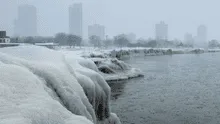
(201, 38)
(4, 38)
(75, 19)
(202, 33)
(26, 23)
(97, 30)
(188, 39)
(161, 31)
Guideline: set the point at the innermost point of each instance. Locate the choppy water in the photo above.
(178, 89)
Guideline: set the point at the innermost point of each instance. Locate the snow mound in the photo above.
(45, 86)
(25, 100)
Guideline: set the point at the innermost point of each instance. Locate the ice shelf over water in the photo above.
(42, 86)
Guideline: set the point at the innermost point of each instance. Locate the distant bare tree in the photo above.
(214, 44)
(29, 40)
(121, 40)
(108, 42)
(78, 40)
(61, 38)
(14, 40)
(152, 43)
(95, 40)
(73, 40)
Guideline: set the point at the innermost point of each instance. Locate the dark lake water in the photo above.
(178, 89)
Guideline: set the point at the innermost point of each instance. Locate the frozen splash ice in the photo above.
(63, 88)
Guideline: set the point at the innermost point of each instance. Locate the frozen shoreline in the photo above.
(109, 67)
(120, 52)
(39, 85)
(112, 68)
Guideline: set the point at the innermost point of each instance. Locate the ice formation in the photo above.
(38, 85)
(113, 69)
(109, 67)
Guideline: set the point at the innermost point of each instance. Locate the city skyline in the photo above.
(119, 19)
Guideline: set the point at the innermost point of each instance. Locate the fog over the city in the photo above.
(121, 16)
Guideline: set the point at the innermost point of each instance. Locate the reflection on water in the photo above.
(179, 89)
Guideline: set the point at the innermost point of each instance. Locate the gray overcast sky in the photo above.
(122, 16)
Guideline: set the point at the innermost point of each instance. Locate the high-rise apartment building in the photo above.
(75, 19)
(161, 31)
(97, 30)
(26, 22)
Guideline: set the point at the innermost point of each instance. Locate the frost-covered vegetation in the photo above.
(119, 53)
(120, 40)
(42, 86)
(137, 51)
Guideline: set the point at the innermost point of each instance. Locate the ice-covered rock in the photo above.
(110, 68)
(62, 88)
(113, 69)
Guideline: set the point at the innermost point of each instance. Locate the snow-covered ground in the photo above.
(42, 86)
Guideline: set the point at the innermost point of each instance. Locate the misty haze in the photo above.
(109, 62)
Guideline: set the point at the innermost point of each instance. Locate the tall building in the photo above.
(188, 39)
(201, 38)
(98, 30)
(161, 31)
(75, 19)
(26, 22)
(202, 33)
